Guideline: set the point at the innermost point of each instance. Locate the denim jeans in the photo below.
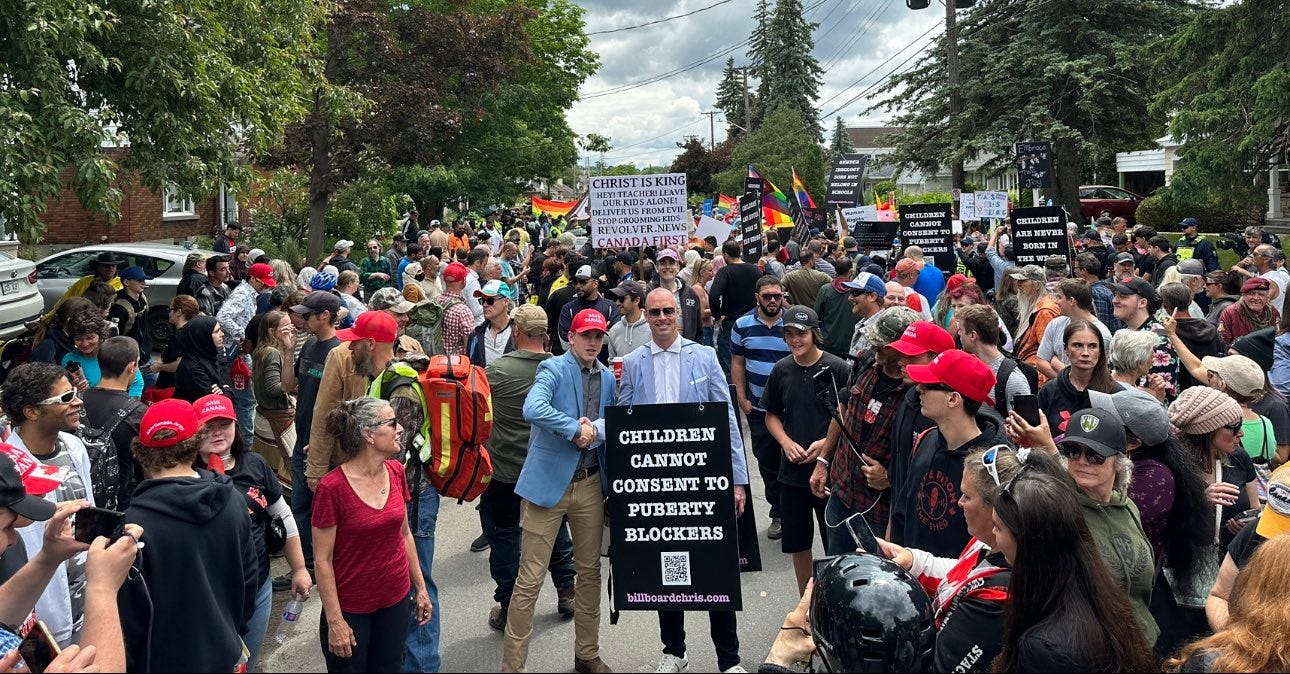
(258, 627)
(421, 648)
(302, 502)
(243, 401)
(837, 536)
(500, 511)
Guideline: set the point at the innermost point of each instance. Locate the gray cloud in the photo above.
(646, 122)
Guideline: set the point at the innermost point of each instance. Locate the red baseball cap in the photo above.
(923, 337)
(960, 371)
(262, 273)
(214, 406)
(589, 319)
(455, 272)
(375, 325)
(37, 478)
(171, 414)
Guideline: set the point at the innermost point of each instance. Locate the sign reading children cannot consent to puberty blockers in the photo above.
(674, 543)
(634, 211)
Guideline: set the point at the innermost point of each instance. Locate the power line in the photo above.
(890, 74)
(876, 68)
(866, 24)
(654, 23)
(665, 75)
(647, 140)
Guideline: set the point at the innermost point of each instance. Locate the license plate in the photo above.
(9, 287)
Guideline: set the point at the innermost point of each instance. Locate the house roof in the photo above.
(872, 136)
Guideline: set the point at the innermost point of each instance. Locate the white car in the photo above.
(164, 262)
(20, 300)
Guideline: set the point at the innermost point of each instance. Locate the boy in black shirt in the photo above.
(812, 382)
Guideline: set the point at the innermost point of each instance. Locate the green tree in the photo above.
(840, 143)
(1225, 79)
(701, 165)
(793, 72)
(191, 90)
(783, 142)
(1086, 66)
(731, 99)
(759, 50)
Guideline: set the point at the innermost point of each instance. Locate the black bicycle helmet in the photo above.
(870, 615)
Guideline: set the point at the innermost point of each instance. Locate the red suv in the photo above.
(1093, 199)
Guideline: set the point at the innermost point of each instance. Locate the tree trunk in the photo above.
(319, 186)
(1066, 178)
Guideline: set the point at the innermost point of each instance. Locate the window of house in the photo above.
(175, 206)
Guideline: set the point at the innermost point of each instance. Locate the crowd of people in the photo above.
(1073, 466)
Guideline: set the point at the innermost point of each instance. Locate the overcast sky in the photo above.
(645, 123)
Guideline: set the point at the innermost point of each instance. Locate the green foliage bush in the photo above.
(1164, 213)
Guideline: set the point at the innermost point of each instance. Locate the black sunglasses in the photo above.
(665, 311)
(488, 301)
(1073, 451)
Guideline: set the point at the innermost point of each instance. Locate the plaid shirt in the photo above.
(1102, 298)
(873, 429)
(458, 321)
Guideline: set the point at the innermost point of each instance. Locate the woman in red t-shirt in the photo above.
(365, 560)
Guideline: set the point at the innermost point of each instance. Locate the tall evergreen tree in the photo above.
(1091, 52)
(793, 72)
(840, 143)
(730, 99)
(759, 50)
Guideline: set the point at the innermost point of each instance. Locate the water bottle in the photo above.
(290, 617)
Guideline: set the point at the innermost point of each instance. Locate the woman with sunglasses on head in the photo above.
(969, 593)
(1066, 611)
(1087, 354)
(364, 555)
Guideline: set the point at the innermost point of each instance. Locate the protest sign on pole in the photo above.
(873, 235)
(674, 542)
(992, 205)
(1038, 233)
(1034, 165)
(707, 207)
(928, 226)
(645, 210)
(967, 207)
(750, 226)
(753, 186)
(846, 186)
(712, 227)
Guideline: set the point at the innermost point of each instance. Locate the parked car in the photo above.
(20, 300)
(163, 262)
(1093, 199)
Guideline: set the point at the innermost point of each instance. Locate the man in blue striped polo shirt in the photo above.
(756, 344)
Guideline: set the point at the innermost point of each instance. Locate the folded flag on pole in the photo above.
(804, 200)
(774, 205)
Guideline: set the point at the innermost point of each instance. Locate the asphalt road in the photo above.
(466, 595)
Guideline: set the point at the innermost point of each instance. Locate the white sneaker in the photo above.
(736, 668)
(671, 663)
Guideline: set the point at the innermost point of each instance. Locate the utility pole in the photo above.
(712, 129)
(952, 77)
(747, 107)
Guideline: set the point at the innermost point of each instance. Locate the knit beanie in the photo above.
(1201, 409)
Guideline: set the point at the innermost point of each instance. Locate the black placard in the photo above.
(750, 226)
(1038, 233)
(674, 542)
(753, 186)
(928, 227)
(873, 235)
(846, 181)
(749, 545)
(1034, 165)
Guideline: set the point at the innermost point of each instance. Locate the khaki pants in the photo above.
(584, 505)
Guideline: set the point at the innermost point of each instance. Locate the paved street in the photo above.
(466, 594)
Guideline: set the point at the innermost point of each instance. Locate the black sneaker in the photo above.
(283, 583)
(479, 544)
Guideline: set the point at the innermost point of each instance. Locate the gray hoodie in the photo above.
(624, 337)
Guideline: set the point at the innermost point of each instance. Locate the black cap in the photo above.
(1136, 286)
(317, 301)
(109, 258)
(801, 318)
(400, 237)
(14, 496)
(1099, 430)
(1124, 257)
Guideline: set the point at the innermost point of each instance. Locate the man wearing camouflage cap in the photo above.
(854, 477)
(393, 303)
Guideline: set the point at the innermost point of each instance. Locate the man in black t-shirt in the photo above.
(109, 406)
(320, 310)
(732, 296)
(811, 382)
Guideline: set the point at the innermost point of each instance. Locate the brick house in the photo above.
(145, 215)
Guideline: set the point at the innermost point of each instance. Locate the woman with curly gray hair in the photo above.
(365, 559)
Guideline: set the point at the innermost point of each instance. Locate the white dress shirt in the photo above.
(667, 371)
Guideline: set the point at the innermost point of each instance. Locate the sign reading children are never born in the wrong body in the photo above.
(674, 543)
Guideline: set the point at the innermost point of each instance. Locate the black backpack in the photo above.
(1006, 369)
(105, 476)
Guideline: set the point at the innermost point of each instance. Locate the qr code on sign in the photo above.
(676, 568)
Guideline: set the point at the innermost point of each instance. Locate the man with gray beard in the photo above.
(1037, 309)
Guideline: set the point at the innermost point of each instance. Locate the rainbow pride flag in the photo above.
(774, 205)
(726, 204)
(804, 199)
(553, 208)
